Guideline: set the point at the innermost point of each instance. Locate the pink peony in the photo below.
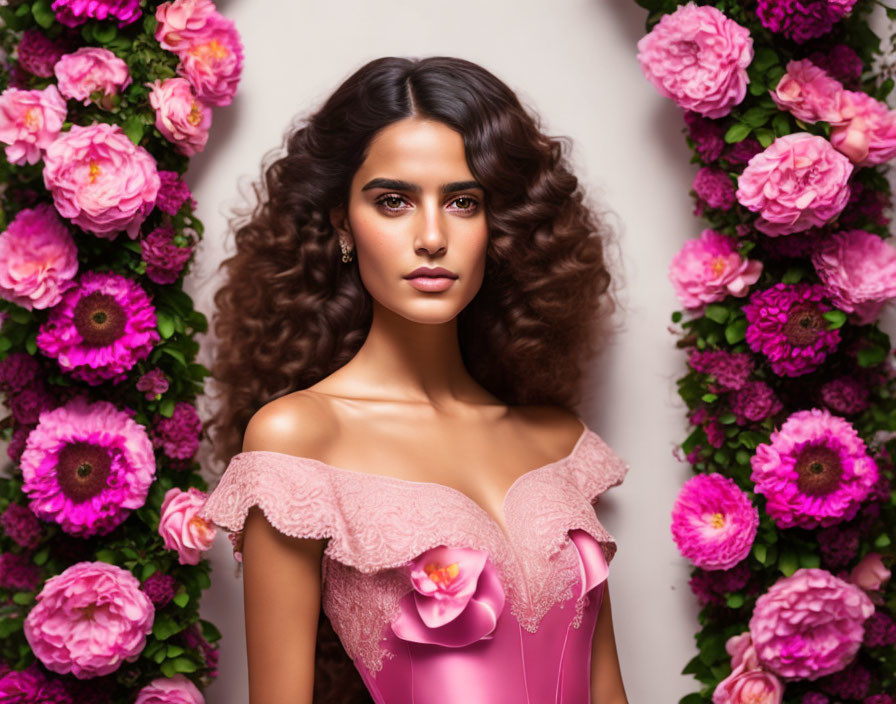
(867, 134)
(698, 57)
(100, 180)
(749, 687)
(91, 69)
(213, 61)
(101, 328)
(170, 690)
(76, 12)
(713, 522)
(858, 269)
(87, 466)
(798, 182)
(809, 624)
(181, 529)
(89, 619)
(815, 472)
(808, 93)
(709, 269)
(870, 574)
(38, 258)
(180, 117)
(29, 122)
(179, 23)
(455, 601)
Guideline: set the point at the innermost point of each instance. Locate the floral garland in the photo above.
(789, 518)
(101, 567)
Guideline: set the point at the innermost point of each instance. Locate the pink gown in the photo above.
(431, 600)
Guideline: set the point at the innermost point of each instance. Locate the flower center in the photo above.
(88, 611)
(717, 267)
(688, 46)
(82, 470)
(200, 525)
(441, 575)
(804, 323)
(195, 116)
(819, 469)
(94, 171)
(210, 50)
(717, 520)
(99, 319)
(32, 120)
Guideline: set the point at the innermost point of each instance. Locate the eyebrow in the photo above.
(398, 185)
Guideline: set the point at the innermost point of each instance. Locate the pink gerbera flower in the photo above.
(815, 472)
(713, 522)
(87, 466)
(101, 329)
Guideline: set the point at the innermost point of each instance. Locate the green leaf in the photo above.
(166, 408)
(716, 312)
(788, 562)
(835, 317)
(43, 13)
(765, 136)
(677, 316)
(40, 557)
(727, 418)
(8, 626)
(760, 552)
(106, 555)
(149, 569)
(158, 656)
(104, 33)
(734, 601)
(869, 356)
(808, 559)
(756, 116)
(164, 627)
(173, 650)
(736, 331)
(209, 630)
(165, 324)
(181, 599)
(709, 398)
(170, 351)
(133, 127)
(23, 597)
(167, 668)
(882, 541)
(737, 132)
(764, 59)
(793, 275)
(184, 664)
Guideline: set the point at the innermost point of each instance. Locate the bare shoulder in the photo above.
(299, 423)
(560, 427)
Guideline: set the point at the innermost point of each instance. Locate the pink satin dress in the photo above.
(433, 602)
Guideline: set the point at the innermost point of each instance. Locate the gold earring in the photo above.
(346, 250)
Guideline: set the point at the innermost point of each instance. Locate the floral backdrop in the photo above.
(101, 565)
(790, 390)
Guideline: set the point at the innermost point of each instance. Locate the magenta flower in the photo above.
(713, 522)
(709, 269)
(786, 323)
(809, 93)
(178, 436)
(76, 12)
(698, 57)
(32, 686)
(170, 690)
(809, 624)
(802, 20)
(100, 180)
(181, 529)
(37, 53)
(845, 395)
(815, 472)
(173, 193)
(21, 525)
(754, 402)
(456, 598)
(858, 269)
(89, 619)
(798, 182)
(87, 466)
(164, 259)
(729, 370)
(713, 188)
(867, 134)
(102, 327)
(180, 117)
(38, 258)
(30, 120)
(91, 69)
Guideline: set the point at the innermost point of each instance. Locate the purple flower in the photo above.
(801, 20)
(707, 135)
(76, 12)
(838, 544)
(164, 259)
(814, 698)
(28, 404)
(815, 472)
(173, 193)
(178, 436)
(17, 372)
(741, 152)
(755, 402)
(787, 325)
(880, 630)
(37, 53)
(850, 683)
(18, 572)
(714, 189)
(154, 382)
(21, 525)
(159, 587)
(711, 586)
(729, 370)
(845, 395)
(840, 62)
(32, 686)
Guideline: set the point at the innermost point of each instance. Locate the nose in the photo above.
(431, 236)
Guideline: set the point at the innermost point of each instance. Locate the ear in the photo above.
(339, 221)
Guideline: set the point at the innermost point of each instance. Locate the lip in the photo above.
(439, 272)
(430, 283)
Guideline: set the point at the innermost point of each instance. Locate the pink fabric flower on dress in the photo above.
(808, 93)
(809, 624)
(714, 522)
(89, 620)
(91, 69)
(867, 134)
(100, 180)
(593, 567)
(38, 258)
(798, 182)
(456, 598)
(170, 690)
(709, 269)
(181, 529)
(858, 269)
(30, 120)
(180, 117)
(698, 57)
(870, 574)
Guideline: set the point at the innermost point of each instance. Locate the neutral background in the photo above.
(573, 61)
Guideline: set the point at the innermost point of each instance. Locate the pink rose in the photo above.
(179, 116)
(213, 61)
(29, 122)
(870, 574)
(867, 134)
(798, 182)
(710, 268)
(100, 180)
(698, 57)
(170, 690)
(91, 69)
(181, 21)
(749, 687)
(456, 598)
(89, 619)
(181, 529)
(38, 258)
(809, 93)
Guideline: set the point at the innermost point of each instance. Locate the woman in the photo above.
(401, 337)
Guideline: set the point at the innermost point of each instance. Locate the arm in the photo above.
(281, 588)
(606, 677)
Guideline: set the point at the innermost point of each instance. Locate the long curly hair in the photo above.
(290, 312)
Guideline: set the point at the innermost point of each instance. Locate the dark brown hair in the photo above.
(291, 312)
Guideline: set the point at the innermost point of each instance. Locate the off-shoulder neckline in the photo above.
(586, 431)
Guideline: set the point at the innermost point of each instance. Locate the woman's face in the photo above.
(414, 203)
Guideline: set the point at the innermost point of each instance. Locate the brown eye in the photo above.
(391, 202)
(466, 203)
